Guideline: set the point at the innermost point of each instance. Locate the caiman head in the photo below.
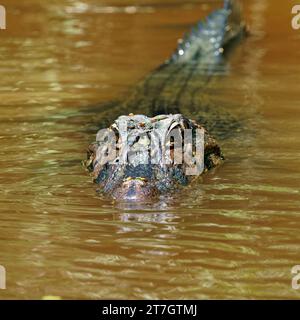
(138, 157)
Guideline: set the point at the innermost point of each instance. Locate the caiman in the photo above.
(165, 100)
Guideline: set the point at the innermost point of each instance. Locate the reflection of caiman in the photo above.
(175, 88)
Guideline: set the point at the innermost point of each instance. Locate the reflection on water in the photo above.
(233, 233)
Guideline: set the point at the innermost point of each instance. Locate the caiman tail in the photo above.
(207, 40)
(183, 83)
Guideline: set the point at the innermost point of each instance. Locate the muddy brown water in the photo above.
(232, 234)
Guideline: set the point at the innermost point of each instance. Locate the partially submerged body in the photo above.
(175, 88)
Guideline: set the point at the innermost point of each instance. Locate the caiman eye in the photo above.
(118, 140)
(174, 143)
(109, 143)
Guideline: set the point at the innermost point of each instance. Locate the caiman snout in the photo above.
(134, 189)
